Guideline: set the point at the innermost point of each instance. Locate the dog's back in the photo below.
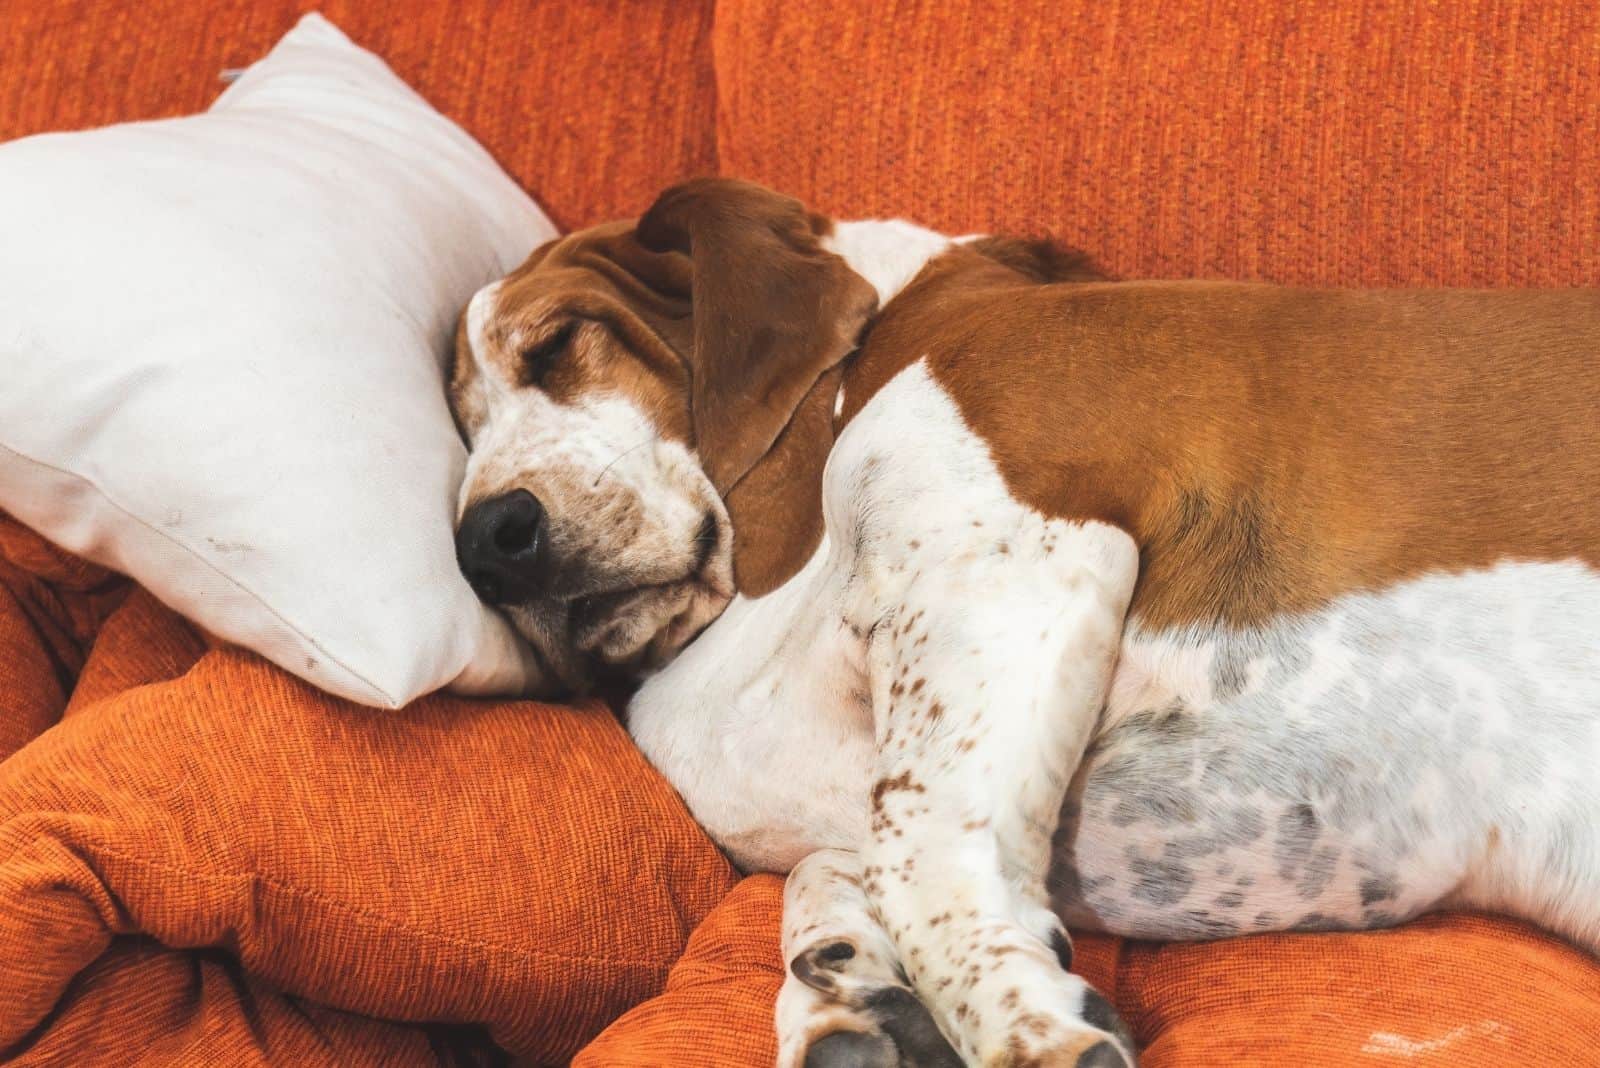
(1272, 448)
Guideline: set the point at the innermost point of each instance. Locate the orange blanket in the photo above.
(204, 861)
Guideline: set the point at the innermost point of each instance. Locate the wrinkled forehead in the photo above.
(561, 268)
(600, 276)
(566, 262)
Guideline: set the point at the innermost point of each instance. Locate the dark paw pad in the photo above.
(1098, 1013)
(852, 1049)
(908, 1022)
(1063, 947)
(1100, 1055)
(816, 966)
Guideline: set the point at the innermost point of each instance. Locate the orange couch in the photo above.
(204, 861)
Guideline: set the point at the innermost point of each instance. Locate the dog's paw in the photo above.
(861, 1012)
(1096, 1039)
(852, 1049)
(1099, 1014)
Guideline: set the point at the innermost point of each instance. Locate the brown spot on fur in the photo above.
(902, 781)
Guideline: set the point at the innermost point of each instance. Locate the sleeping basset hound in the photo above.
(987, 596)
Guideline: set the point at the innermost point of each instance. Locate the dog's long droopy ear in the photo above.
(773, 310)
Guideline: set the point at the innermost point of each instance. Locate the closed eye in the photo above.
(538, 359)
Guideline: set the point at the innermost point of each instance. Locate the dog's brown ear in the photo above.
(773, 311)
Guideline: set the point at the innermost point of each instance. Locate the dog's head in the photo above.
(613, 390)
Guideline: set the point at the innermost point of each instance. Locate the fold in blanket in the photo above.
(204, 861)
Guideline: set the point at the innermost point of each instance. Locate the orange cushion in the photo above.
(199, 1008)
(717, 1009)
(1462, 991)
(1375, 142)
(511, 866)
(593, 107)
(51, 605)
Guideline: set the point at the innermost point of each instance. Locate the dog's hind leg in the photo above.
(1540, 852)
(845, 1002)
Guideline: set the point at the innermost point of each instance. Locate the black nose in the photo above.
(500, 546)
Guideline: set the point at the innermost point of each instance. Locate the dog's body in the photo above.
(1175, 609)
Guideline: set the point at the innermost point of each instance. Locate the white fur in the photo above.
(908, 582)
(886, 252)
(1389, 753)
(823, 906)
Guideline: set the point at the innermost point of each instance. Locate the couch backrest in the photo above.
(1366, 142)
(592, 106)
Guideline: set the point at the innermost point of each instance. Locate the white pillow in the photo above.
(222, 341)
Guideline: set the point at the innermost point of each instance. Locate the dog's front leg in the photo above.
(845, 1002)
(987, 682)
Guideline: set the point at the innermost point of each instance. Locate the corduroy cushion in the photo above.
(507, 866)
(1455, 991)
(1372, 142)
(51, 606)
(717, 1008)
(593, 107)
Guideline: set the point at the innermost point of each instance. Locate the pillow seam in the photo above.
(375, 918)
(189, 550)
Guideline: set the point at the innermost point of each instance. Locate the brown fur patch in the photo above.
(773, 311)
(1269, 448)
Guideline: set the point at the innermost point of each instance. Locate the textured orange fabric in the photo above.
(1370, 142)
(717, 1008)
(592, 107)
(51, 605)
(1458, 991)
(500, 865)
(142, 1004)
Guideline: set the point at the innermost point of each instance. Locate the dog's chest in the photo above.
(764, 722)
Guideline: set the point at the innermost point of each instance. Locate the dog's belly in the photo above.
(1434, 742)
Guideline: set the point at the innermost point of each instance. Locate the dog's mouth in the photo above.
(640, 626)
(596, 609)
